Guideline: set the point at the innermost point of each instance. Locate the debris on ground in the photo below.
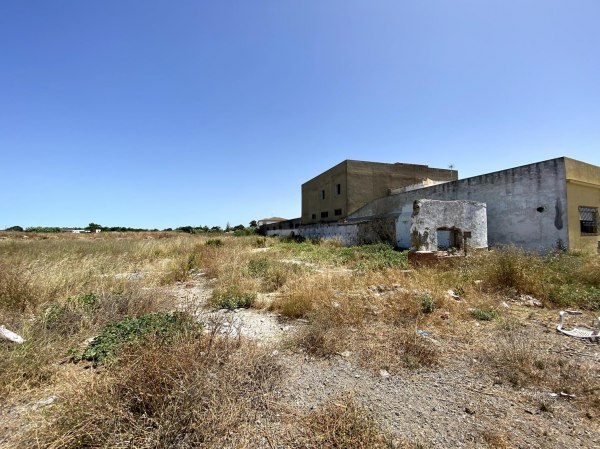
(580, 331)
(10, 335)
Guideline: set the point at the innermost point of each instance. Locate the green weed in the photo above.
(114, 335)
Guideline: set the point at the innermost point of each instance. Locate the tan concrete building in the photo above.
(344, 188)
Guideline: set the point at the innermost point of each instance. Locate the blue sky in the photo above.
(171, 113)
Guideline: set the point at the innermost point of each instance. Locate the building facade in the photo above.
(538, 206)
(344, 188)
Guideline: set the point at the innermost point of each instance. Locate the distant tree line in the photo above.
(238, 230)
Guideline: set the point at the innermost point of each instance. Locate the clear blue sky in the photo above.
(169, 113)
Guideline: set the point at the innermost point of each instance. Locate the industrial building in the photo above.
(539, 206)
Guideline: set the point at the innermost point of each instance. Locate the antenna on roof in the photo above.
(451, 167)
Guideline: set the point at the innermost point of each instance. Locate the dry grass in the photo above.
(523, 361)
(192, 393)
(211, 392)
(342, 423)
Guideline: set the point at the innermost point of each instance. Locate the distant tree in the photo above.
(41, 229)
(92, 227)
(227, 227)
(15, 228)
(253, 224)
(238, 228)
(216, 229)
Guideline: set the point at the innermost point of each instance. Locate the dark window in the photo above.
(338, 189)
(338, 212)
(322, 194)
(324, 214)
(314, 216)
(588, 220)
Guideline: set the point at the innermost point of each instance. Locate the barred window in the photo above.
(337, 212)
(588, 220)
(324, 214)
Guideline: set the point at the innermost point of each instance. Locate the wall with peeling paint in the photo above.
(455, 217)
(526, 206)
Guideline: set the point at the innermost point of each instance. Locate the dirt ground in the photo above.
(454, 405)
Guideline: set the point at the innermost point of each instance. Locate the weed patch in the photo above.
(484, 314)
(232, 297)
(114, 335)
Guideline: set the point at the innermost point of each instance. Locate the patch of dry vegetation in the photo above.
(341, 423)
(191, 393)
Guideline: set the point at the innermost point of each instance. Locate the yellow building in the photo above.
(583, 203)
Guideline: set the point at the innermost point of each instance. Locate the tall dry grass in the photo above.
(191, 393)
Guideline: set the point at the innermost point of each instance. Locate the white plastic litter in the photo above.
(585, 332)
(10, 335)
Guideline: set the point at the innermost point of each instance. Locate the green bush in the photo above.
(214, 242)
(244, 232)
(484, 314)
(114, 335)
(569, 295)
(258, 267)
(233, 298)
(364, 257)
(428, 304)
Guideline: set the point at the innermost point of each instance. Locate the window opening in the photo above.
(338, 189)
(324, 214)
(588, 220)
(448, 239)
(338, 212)
(322, 194)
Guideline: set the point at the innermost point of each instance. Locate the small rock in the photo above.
(357, 376)
(469, 410)
(384, 374)
(345, 353)
(275, 353)
(505, 304)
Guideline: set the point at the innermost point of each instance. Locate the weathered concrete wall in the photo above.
(280, 232)
(381, 230)
(347, 234)
(526, 206)
(455, 216)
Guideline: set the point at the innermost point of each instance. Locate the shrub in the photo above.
(233, 298)
(114, 335)
(484, 314)
(258, 267)
(214, 242)
(428, 304)
(244, 232)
